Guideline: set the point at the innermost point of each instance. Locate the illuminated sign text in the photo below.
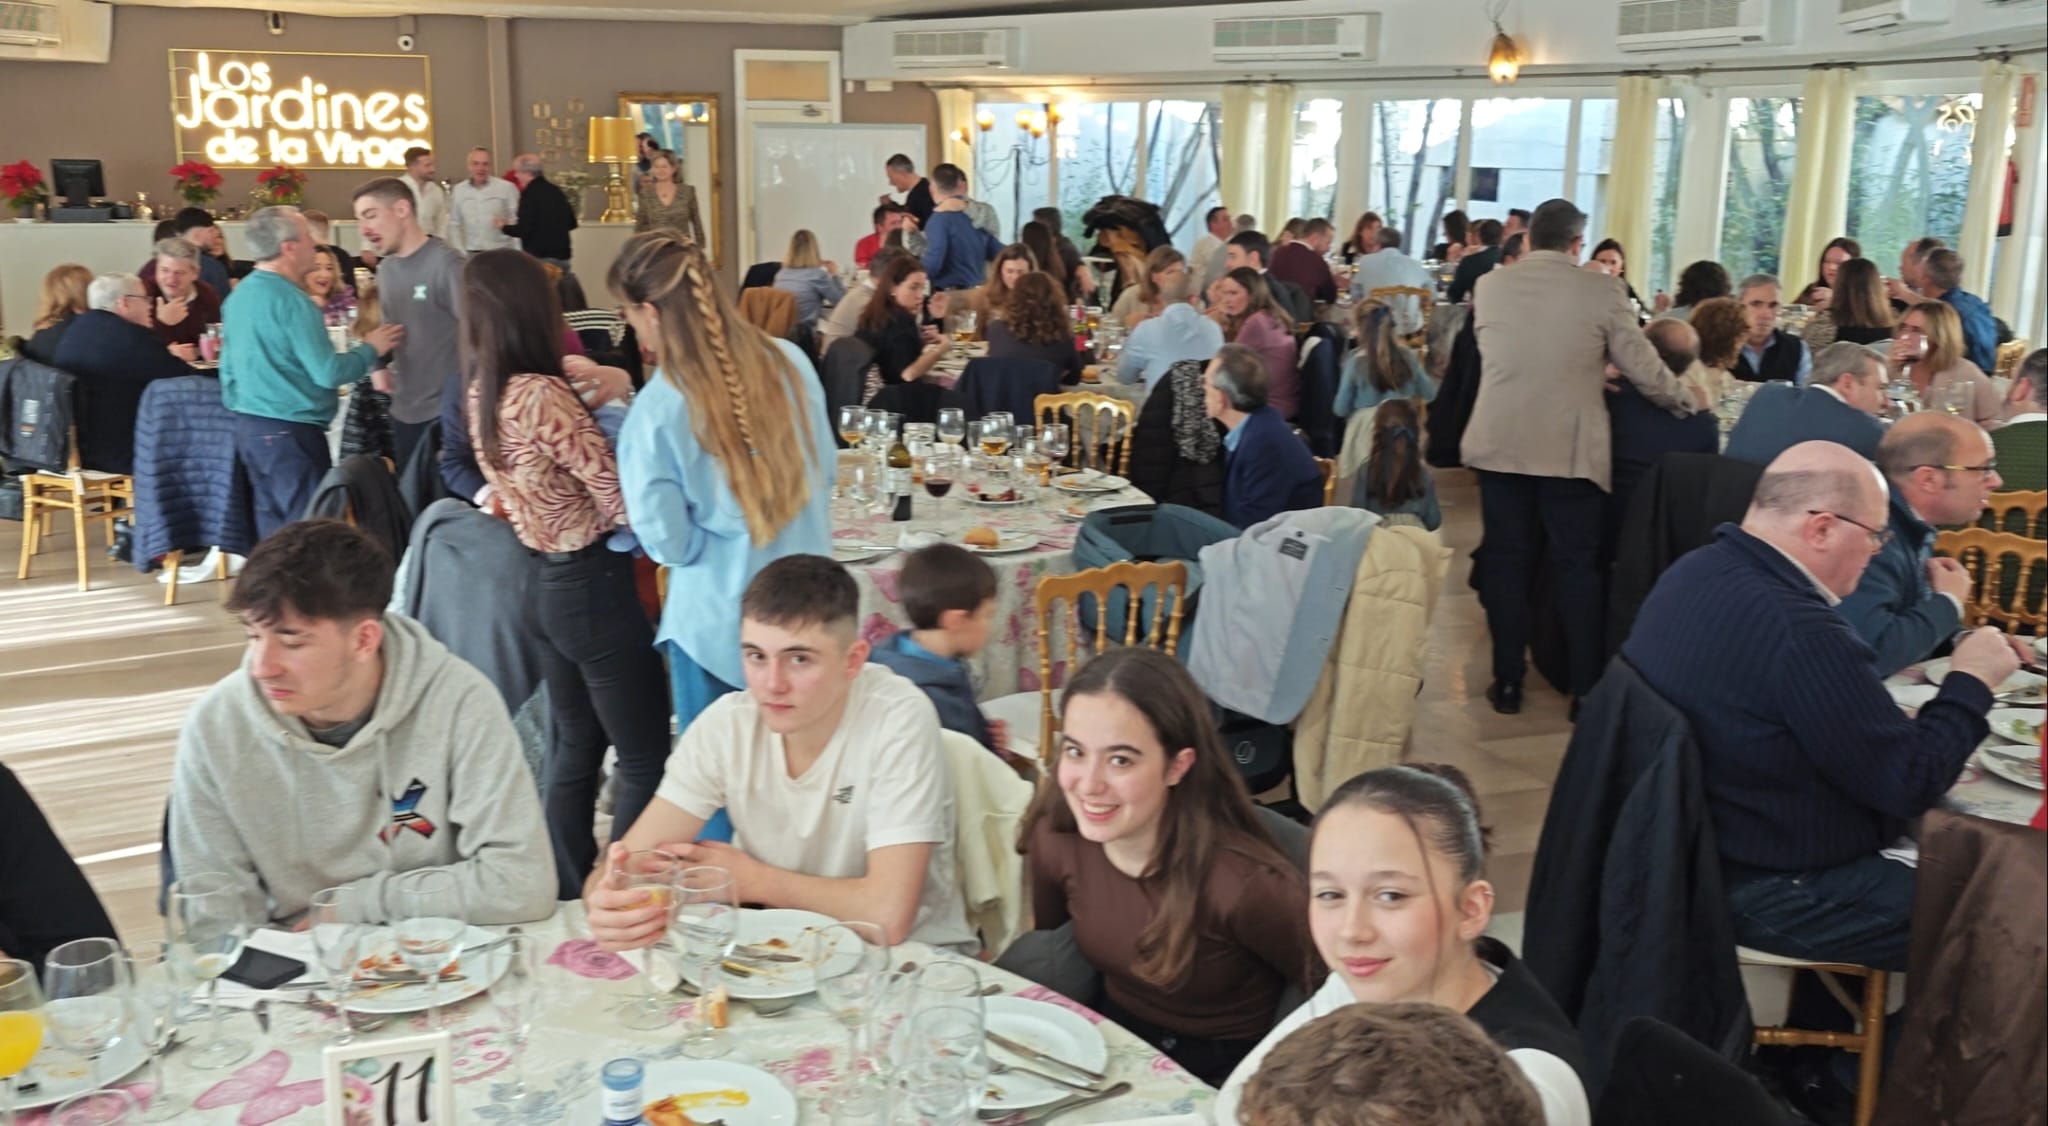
(251, 110)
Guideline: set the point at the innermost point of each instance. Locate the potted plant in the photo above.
(197, 182)
(22, 184)
(280, 186)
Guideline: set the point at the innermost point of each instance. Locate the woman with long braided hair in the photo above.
(727, 458)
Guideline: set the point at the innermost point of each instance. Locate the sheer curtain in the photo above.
(1987, 174)
(1631, 179)
(1277, 148)
(1258, 151)
(1818, 207)
(956, 111)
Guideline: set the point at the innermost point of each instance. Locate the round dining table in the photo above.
(576, 1030)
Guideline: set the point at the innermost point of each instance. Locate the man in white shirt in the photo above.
(832, 770)
(1207, 260)
(433, 202)
(481, 206)
(1387, 266)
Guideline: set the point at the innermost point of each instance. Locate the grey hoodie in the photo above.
(435, 779)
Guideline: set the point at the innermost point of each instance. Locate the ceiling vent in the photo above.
(1298, 39)
(1890, 15)
(1679, 25)
(56, 31)
(955, 50)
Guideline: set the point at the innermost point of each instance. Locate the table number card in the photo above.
(396, 1081)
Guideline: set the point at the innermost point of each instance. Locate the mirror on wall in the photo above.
(686, 125)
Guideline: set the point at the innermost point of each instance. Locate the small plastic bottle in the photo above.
(622, 1080)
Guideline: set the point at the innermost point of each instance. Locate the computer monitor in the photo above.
(78, 181)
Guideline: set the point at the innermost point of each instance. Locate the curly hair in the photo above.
(1700, 281)
(1036, 314)
(1722, 325)
(1390, 1065)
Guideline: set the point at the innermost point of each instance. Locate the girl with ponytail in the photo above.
(1395, 483)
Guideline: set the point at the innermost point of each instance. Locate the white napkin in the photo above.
(1911, 695)
(289, 944)
(911, 541)
(1905, 850)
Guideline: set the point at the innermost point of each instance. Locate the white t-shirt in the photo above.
(882, 781)
(1564, 1097)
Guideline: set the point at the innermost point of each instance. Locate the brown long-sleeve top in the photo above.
(560, 481)
(679, 213)
(1253, 935)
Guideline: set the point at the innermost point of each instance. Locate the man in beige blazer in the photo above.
(1538, 436)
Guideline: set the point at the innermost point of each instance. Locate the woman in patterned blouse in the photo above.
(553, 469)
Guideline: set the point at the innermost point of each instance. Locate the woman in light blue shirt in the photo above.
(726, 459)
(1179, 332)
(809, 278)
(1381, 367)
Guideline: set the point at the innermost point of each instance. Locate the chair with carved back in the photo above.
(1425, 300)
(1158, 628)
(1099, 428)
(2007, 359)
(2006, 572)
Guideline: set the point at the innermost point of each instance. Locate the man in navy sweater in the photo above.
(1268, 470)
(1841, 402)
(956, 252)
(1809, 768)
(1942, 470)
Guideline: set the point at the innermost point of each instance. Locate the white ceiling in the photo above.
(724, 11)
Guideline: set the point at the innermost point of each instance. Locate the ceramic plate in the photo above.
(2020, 688)
(1006, 543)
(706, 1090)
(478, 971)
(2018, 725)
(1060, 1033)
(859, 552)
(973, 498)
(1089, 481)
(59, 1074)
(787, 931)
(2025, 770)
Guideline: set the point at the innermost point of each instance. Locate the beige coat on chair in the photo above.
(1360, 713)
(988, 802)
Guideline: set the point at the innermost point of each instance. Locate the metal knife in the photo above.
(1031, 1053)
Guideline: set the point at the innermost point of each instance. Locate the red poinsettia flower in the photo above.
(197, 173)
(20, 179)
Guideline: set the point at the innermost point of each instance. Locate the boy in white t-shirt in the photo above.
(831, 767)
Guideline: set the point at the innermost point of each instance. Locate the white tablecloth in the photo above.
(1977, 791)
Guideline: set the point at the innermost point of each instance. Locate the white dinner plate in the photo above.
(59, 1074)
(973, 498)
(1057, 1032)
(2018, 725)
(478, 972)
(1089, 481)
(783, 929)
(850, 553)
(1007, 543)
(2021, 686)
(732, 1093)
(2013, 767)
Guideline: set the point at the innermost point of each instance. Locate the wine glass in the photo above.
(850, 961)
(516, 995)
(940, 471)
(1053, 443)
(939, 1093)
(888, 1024)
(997, 428)
(208, 925)
(877, 432)
(708, 919)
(963, 326)
(952, 425)
(96, 1108)
(338, 946)
(654, 873)
(945, 1039)
(157, 992)
(1955, 395)
(86, 980)
(852, 424)
(429, 927)
(21, 1027)
(941, 984)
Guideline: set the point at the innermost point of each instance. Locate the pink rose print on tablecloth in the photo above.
(140, 1092)
(810, 1069)
(583, 957)
(256, 1085)
(1041, 993)
(480, 1053)
(878, 628)
(885, 580)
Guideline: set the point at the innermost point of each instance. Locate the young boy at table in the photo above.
(949, 595)
(831, 768)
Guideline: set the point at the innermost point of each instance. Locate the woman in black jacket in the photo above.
(1035, 327)
(905, 350)
(1177, 449)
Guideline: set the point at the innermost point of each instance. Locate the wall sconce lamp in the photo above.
(1503, 62)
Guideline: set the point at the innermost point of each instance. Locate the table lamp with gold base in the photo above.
(611, 143)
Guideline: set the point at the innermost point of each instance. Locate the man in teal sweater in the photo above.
(279, 372)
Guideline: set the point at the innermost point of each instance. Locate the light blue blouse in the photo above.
(686, 516)
(1355, 392)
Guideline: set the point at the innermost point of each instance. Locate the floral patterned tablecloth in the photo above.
(576, 1031)
(1010, 662)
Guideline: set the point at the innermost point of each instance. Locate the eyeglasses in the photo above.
(1879, 537)
(1986, 469)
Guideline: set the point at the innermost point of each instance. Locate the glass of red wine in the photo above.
(941, 469)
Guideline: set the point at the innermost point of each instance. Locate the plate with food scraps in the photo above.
(1089, 481)
(988, 541)
(478, 965)
(2021, 687)
(57, 1074)
(758, 971)
(683, 1092)
(2022, 769)
(1049, 1030)
(1005, 498)
(2019, 725)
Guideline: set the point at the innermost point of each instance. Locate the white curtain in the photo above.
(1818, 207)
(1277, 149)
(2016, 291)
(1258, 151)
(1631, 180)
(1987, 174)
(956, 111)
(1238, 179)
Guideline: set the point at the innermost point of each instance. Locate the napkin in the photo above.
(911, 541)
(1905, 850)
(289, 944)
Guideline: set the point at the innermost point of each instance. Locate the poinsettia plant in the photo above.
(197, 182)
(281, 185)
(22, 184)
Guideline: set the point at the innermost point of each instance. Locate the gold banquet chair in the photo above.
(1168, 582)
(1425, 300)
(2007, 359)
(2003, 568)
(1769, 997)
(87, 494)
(1328, 466)
(1099, 428)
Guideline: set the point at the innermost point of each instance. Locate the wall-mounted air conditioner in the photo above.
(991, 48)
(1298, 39)
(60, 31)
(1890, 15)
(1682, 25)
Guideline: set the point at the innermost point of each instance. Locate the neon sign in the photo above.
(243, 109)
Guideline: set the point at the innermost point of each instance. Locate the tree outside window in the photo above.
(1415, 163)
(1183, 165)
(1909, 170)
(1763, 138)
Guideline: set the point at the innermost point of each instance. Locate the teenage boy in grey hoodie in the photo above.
(351, 747)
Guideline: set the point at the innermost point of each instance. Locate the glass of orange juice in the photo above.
(21, 1027)
(653, 872)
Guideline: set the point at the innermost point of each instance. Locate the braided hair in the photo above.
(746, 399)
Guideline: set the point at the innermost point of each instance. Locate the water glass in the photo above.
(954, 984)
(1955, 395)
(158, 991)
(86, 980)
(654, 872)
(945, 1040)
(708, 921)
(941, 1094)
(952, 425)
(517, 996)
(208, 924)
(850, 961)
(98, 1108)
(21, 1027)
(338, 947)
(429, 925)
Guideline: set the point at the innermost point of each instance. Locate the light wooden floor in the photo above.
(94, 684)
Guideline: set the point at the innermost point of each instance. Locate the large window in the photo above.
(1662, 271)
(1518, 154)
(1595, 162)
(1182, 165)
(1763, 136)
(1415, 159)
(1097, 147)
(1909, 171)
(1010, 165)
(1317, 125)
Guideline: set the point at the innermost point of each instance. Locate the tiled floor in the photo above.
(93, 686)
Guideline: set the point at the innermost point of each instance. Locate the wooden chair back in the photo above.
(2018, 511)
(1329, 467)
(1167, 581)
(1425, 301)
(1099, 428)
(2005, 568)
(2007, 359)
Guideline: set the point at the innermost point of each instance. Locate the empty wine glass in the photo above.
(429, 927)
(888, 1020)
(653, 872)
(952, 425)
(338, 946)
(208, 924)
(157, 992)
(516, 995)
(86, 981)
(21, 1027)
(708, 920)
(97, 1108)
(850, 961)
(940, 1093)
(948, 983)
